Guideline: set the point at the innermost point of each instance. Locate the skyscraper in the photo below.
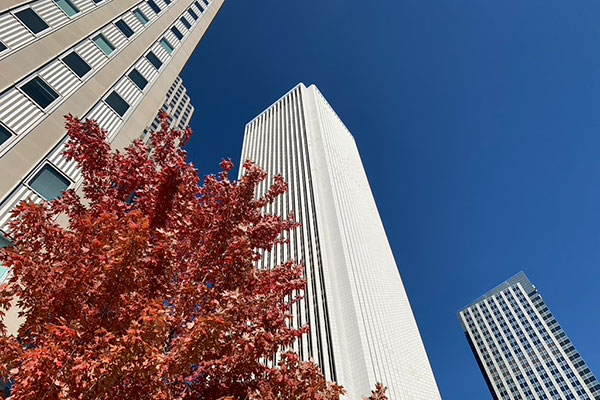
(521, 349)
(362, 326)
(109, 60)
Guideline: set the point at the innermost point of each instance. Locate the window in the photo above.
(205, 2)
(4, 134)
(199, 6)
(98, 1)
(186, 22)
(167, 1)
(117, 103)
(141, 16)
(102, 42)
(31, 20)
(40, 92)
(4, 242)
(153, 6)
(167, 46)
(2, 47)
(138, 79)
(193, 14)
(49, 183)
(154, 60)
(68, 7)
(123, 27)
(77, 64)
(177, 33)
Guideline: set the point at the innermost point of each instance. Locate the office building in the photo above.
(109, 60)
(362, 329)
(520, 347)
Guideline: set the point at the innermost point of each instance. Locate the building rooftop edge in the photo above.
(300, 84)
(518, 277)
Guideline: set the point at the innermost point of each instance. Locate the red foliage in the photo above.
(155, 298)
(378, 393)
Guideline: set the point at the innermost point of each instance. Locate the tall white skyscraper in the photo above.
(362, 327)
(521, 349)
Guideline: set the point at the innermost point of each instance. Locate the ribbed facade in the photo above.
(177, 105)
(362, 329)
(521, 349)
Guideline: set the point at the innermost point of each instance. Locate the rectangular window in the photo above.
(167, 1)
(117, 103)
(40, 92)
(77, 64)
(186, 22)
(4, 134)
(206, 2)
(31, 20)
(49, 183)
(154, 60)
(199, 6)
(154, 6)
(138, 79)
(68, 7)
(4, 242)
(193, 14)
(123, 27)
(2, 47)
(167, 46)
(102, 42)
(141, 16)
(177, 33)
(98, 1)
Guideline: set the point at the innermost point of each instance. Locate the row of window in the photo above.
(36, 25)
(49, 182)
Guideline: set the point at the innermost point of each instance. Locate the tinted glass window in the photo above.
(77, 64)
(98, 1)
(153, 6)
(138, 79)
(206, 2)
(199, 6)
(167, 1)
(32, 20)
(193, 14)
(4, 242)
(4, 134)
(67, 6)
(154, 60)
(117, 103)
(102, 42)
(141, 16)
(186, 22)
(123, 27)
(177, 33)
(2, 47)
(40, 92)
(167, 46)
(49, 183)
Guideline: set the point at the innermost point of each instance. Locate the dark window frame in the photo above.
(43, 83)
(119, 99)
(154, 6)
(124, 28)
(177, 33)
(31, 13)
(185, 22)
(137, 74)
(151, 57)
(74, 67)
(5, 134)
(60, 174)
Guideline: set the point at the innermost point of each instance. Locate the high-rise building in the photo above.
(362, 329)
(521, 349)
(109, 60)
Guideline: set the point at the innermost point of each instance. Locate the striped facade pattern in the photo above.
(521, 349)
(20, 114)
(362, 329)
(179, 107)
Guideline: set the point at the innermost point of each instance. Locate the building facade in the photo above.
(362, 329)
(109, 60)
(520, 347)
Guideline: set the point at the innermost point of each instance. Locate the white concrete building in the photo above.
(521, 349)
(362, 327)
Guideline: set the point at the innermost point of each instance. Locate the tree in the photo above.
(151, 291)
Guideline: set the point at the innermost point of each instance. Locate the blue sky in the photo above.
(479, 126)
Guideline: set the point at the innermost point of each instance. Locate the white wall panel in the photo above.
(128, 91)
(84, 5)
(12, 33)
(60, 77)
(91, 54)
(115, 36)
(18, 112)
(22, 193)
(50, 13)
(105, 116)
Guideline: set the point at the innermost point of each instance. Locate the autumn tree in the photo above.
(150, 290)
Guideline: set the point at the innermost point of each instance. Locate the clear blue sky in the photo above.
(479, 126)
